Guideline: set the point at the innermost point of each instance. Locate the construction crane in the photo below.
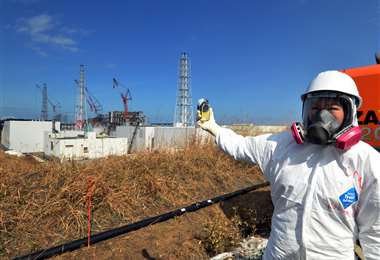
(125, 96)
(93, 103)
(56, 106)
(134, 118)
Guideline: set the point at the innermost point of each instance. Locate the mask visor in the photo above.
(316, 102)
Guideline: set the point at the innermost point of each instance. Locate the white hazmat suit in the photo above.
(324, 198)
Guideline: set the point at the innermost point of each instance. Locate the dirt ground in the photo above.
(45, 204)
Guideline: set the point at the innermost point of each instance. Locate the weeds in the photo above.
(246, 228)
(48, 201)
(216, 236)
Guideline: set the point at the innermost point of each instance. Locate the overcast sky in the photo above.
(252, 59)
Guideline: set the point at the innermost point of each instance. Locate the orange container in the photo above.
(368, 81)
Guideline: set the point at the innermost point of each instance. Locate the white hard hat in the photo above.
(334, 81)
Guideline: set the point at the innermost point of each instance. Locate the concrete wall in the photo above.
(165, 137)
(26, 136)
(155, 138)
(127, 131)
(91, 147)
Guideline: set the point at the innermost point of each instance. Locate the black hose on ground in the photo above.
(73, 245)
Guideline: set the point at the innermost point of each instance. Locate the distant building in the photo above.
(89, 146)
(26, 136)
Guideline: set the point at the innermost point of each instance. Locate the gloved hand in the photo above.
(210, 125)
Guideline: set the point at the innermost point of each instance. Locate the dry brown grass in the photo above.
(43, 205)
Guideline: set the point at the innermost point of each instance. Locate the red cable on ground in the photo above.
(90, 183)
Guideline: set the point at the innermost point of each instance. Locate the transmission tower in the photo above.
(44, 108)
(80, 109)
(183, 115)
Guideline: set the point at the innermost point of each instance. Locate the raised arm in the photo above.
(253, 149)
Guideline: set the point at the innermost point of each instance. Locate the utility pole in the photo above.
(183, 115)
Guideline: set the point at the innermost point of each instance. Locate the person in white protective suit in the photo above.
(325, 182)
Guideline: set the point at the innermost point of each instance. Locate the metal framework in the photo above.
(44, 108)
(183, 115)
(80, 109)
(93, 103)
(56, 106)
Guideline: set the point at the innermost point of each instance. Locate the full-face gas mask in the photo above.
(321, 127)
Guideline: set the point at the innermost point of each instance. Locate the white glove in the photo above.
(210, 125)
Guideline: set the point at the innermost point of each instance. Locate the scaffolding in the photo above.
(44, 108)
(80, 109)
(183, 116)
